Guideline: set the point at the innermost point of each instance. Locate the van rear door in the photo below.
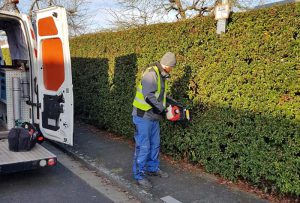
(54, 75)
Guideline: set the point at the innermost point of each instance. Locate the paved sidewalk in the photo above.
(112, 158)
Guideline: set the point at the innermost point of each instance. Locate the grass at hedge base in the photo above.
(243, 89)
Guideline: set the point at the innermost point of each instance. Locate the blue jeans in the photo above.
(147, 144)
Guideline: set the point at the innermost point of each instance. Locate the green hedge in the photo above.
(243, 89)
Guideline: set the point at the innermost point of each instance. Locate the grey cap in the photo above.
(168, 59)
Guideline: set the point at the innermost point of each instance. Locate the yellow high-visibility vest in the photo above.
(139, 100)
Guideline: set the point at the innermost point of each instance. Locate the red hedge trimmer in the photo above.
(177, 113)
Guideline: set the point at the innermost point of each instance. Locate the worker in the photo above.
(149, 105)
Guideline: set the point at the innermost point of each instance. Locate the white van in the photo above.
(36, 86)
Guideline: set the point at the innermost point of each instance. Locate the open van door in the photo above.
(54, 76)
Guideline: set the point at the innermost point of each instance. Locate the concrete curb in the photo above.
(141, 194)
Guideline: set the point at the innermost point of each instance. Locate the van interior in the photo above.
(14, 73)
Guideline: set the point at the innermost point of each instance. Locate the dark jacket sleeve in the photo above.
(149, 82)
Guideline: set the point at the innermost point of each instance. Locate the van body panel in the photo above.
(32, 46)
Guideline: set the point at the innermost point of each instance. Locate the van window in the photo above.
(16, 41)
(5, 58)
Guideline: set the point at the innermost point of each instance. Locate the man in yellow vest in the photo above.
(148, 107)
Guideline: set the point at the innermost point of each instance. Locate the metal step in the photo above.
(3, 134)
(9, 157)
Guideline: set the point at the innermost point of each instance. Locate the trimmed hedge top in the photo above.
(243, 89)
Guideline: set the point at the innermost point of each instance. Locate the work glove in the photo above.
(173, 113)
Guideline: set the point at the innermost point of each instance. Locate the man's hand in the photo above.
(173, 113)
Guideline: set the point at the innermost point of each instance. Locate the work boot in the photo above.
(144, 183)
(159, 173)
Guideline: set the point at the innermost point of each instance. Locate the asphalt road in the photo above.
(67, 182)
(55, 184)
